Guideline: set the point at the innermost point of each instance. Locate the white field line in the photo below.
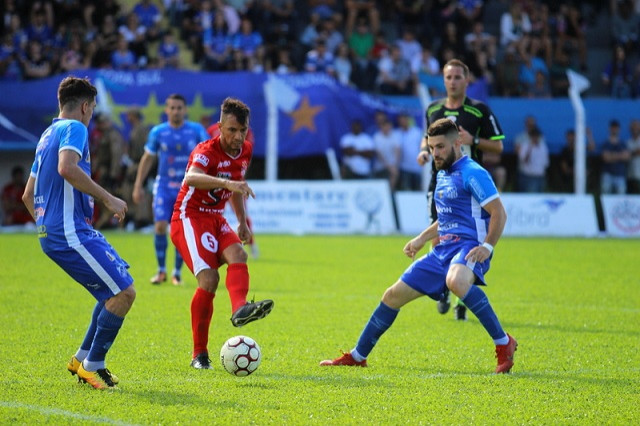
(58, 412)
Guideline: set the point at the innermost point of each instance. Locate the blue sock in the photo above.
(178, 264)
(91, 332)
(380, 321)
(161, 244)
(477, 302)
(108, 327)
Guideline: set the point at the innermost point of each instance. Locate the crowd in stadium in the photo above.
(513, 48)
(516, 48)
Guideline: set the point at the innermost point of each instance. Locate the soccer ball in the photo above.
(240, 355)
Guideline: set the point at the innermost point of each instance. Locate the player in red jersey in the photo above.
(215, 174)
(213, 131)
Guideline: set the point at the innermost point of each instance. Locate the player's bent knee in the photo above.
(208, 280)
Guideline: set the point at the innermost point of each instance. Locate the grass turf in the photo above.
(573, 305)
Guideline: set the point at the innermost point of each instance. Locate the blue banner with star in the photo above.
(310, 112)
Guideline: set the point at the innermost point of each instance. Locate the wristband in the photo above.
(488, 247)
(476, 140)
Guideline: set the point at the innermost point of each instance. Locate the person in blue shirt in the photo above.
(471, 219)
(60, 196)
(172, 142)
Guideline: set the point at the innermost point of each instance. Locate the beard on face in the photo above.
(448, 161)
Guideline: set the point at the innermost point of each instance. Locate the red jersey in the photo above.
(210, 157)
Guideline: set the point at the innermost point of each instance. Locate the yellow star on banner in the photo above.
(304, 115)
(152, 111)
(197, 109)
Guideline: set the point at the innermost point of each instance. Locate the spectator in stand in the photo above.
(618, 76)
(558, 80)
(17, 33)
(571, 32)
(533, 160)
(279, 17)
(73, 58)
(135, 35)
(9, 61)
(332, 36)
(625, 25)
(95, 12)
(529, 68)
(409, 46)
(540, 88)
(409, 135)
(361, 42)
(567, 159)
(149, 16)
(426, 63)
(201, 28)
(14, 212)
(217, 47)
(479, 41)
(38, 29)
(453, 41)
(168, 52)
(311, 32)
(357, 9)
(470, 12)
(358, 151)
(247, 40)
(394, 76)
(141, 213)
(324, 8)
(409, 14)
(515, 27)
(541, 32)
(123, 58)
(285, 66)
(107, 165)
(388, 151)
(634, 163)
(231, 16)
(615, 157)
(508, 74)
(34, 64)
(342, 64)
(106, 42)
(320, 59)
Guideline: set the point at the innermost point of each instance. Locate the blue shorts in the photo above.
(428, 274)
(95, 265)
(163, 200)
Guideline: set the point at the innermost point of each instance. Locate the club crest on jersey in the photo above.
(202, 159)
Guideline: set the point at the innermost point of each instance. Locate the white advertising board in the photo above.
(555, 215)
(320, 207)
(413, 212)
(621, 215)
(562, 215)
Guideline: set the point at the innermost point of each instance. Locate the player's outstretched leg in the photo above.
(478, 303)
(378, 323)
(251, 311)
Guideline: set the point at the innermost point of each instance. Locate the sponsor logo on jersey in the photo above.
(202, 159)
(225, 163)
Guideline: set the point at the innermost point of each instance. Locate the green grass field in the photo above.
(573, 305)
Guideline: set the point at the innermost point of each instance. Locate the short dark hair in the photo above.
(178, 97)
(237, 108)
(442, 126)
(458, 63)
(72, 91)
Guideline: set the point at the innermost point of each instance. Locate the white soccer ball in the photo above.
(240, 355)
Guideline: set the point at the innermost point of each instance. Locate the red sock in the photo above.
(237, 284)
(201, 313)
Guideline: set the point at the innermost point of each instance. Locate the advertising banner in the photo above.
(320, 207)
(555, 215)
(621, 215)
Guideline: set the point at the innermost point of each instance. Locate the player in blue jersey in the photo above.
(172, 142)
(60, 195)
(471, 218)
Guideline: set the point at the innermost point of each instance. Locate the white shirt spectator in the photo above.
(356, 163)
